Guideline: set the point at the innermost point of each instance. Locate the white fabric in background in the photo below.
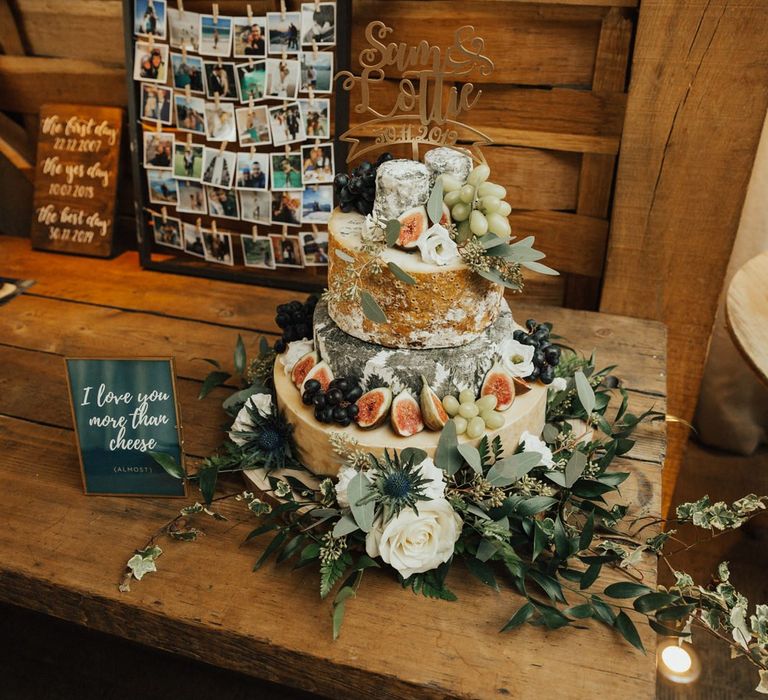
(732, 413)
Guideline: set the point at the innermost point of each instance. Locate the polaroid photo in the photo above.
(256, 206)
(252, 81)
(286, 208)
(184, 29)
(314, 248)
(162, 187)
(150, 63)
(220, 121)
(167, 231)
(286, 124)
(193, 240)
(257, 252)
(315, 115)
(317, 72)
(222, 203)
(283, 32)
(158, 150)
(219, 167)
(317, 164)
(253, 126)
(190, 113)
(150, 18)
(188, 72)
(317, 204)
(282, 77)
(215, 35)
(318, 23)
(286, 250)
(252, 171)
(249, 37)
(220, 77)
(156, 103)
(191, 198)
(218, 247)
(286, 171)
(188, 161)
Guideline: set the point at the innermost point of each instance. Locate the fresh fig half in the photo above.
(501, 384)
(432, 412)
(413, 223)
(303, 366)
(406, 416)
(322, 372)
(373, 408)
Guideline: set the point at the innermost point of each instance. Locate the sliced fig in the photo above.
(373, 408)
(413, 223)
(302, 367)
(501, 384)
(432, 411)
(406, 417)
(445, 219)
(521, 386)
(322, 372)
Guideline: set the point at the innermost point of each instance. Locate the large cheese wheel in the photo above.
(448, 306)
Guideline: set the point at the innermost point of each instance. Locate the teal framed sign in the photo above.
(123, 410)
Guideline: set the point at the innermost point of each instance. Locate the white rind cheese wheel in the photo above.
(527, 413)
(400, 185)
(452, 161)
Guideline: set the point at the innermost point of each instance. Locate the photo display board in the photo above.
(233, 113)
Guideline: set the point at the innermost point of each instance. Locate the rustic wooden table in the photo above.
(63, 554)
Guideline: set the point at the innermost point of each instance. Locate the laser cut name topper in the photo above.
(423, 112)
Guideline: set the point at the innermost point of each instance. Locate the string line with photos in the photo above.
(234, 115)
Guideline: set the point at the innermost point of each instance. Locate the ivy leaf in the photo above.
(213, 380)
(482, 572)
(392, 231)
(371, 308)
(346, 257)
(584, 390)
(207, 477)
(435, 202)
(168, 463)
(472, 457)
(628, 630)
(575, 468)
(143, 562)
(447, 455)
(240, 356)
(359, 487)
(508, 470)
(522, 615)
(401, 274)
(626, 589)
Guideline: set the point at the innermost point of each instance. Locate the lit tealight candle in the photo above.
(678, 664)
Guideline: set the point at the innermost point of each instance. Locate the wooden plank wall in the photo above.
(696, 107)
(555, 106)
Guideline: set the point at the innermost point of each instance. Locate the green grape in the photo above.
(499, 225)
(451, 405)
(486, 403)
(475, 428)
(467, 396)
(468, 410)
(460, 212)
(478, 223)
(450, 183)
(452, 197)
(479, 174)
(461, 425)
(467, 194)
(505, 209)
(493, 419)
(489, 189)
(464, 232)
(490, 204)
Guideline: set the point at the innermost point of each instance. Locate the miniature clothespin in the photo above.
(213, 227)
(151, 41)
(283, 9)
(224, 145)
(315, 50)
(215, 12)
(249, 12)
(317, 5)
(159, 126)
(285, 231)
(218, 61)
(216, 99)
(164, 213)
(317, 142)
(284, 55)
(254, 232)
(315, 230)
(253, 150)
(180, 6)
(189, 140)
(250, 104)
(183, 53)
(311, 92)
(188, 91)
(199, 225)
(287, 150)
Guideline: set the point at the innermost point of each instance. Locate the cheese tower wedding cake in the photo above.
(414, 328)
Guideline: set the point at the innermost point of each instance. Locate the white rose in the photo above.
(346, 474)
(558, 384)
(412, 543)
(243, 423)
(516, 357)
(294, 352)
(436, 246)
(532, 443)
(436, 486)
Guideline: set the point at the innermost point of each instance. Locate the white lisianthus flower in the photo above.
(346, 474)
(558, 384)
(532, 443)
(436, 486)
(436, 246)
(294, 352)
(741, 634)
(413, 544)
(262, 403)
(516, 357)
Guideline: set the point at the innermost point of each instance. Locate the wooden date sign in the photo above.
(77, 159)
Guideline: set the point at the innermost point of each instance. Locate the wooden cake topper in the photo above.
(420, 114)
